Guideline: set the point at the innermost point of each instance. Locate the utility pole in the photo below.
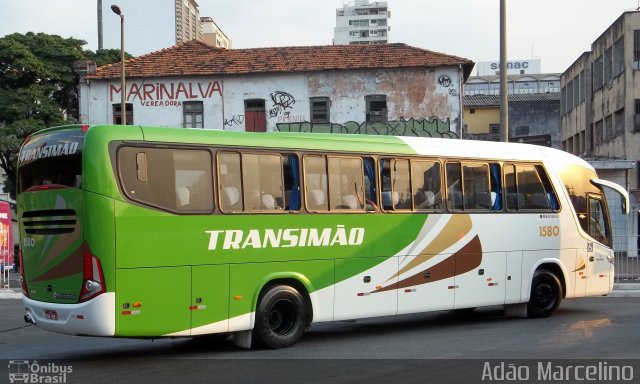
(99, 24)
(504, 91)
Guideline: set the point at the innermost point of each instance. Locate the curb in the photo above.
(625, 290)
(9, 294)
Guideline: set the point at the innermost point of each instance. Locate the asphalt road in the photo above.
(373, 350)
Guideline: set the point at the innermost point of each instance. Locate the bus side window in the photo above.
(426, 184)
(315, 183)
(229, 181)
(346, 183)
(262, 181)
(454, 187)
(496, 187)
(510, 187)
(291, 173)
(385, 181)
(476, 194)
(551, 196)
(371, 197)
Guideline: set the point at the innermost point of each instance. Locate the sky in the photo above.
(556, 32)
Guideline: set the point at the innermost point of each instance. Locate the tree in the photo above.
(38, 89)
(106, 56)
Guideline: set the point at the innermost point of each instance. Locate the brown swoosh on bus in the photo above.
(69, 266)
(62, 243)
(581, 265)
(466, 259)
(457, 227)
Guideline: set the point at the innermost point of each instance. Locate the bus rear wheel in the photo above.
(281, 317)
(546, 294)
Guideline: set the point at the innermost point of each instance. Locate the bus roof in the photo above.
(375, 144)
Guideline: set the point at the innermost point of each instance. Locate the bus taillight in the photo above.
(92, 277)
(23, 280)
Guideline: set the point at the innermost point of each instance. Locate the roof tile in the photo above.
(195, 58)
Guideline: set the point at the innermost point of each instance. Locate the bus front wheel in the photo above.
(546, 294)
(281, 317)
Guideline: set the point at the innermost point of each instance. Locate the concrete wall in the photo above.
(541, 117)
(422, 102)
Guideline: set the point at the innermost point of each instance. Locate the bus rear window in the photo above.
(51, 161)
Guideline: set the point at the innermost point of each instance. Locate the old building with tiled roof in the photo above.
(382, 89)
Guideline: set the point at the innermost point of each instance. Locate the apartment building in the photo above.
(362, 22)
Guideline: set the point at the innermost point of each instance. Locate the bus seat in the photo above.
(539, 200)
(230, 197)
(350, 201)
(387, 203)
(483, 200)
(316, 198)
(182, 196)
(268, 201)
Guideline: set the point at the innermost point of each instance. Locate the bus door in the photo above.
(598, 258)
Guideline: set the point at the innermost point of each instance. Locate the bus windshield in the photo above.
(51, 160)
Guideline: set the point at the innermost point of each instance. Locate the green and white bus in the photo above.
(132, 231)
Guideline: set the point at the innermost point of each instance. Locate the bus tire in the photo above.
(281, 317)
(546, 294)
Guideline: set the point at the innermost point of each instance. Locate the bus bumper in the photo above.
(96, 317)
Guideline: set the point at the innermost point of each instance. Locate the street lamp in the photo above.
(123, 86)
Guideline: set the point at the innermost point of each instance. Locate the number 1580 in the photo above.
(549, 231)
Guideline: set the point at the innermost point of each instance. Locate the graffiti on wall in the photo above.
(446, 82)
(234, 120)
(281, 102)
(433, 127)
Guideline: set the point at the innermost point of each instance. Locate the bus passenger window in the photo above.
(346, 183)
(454, 187)
(385, 178)
(496, 187)
(371, 199)
(476, 195)
(315, 179)
(291, 174)
(425, 179)
(262, 181)
(230, 182)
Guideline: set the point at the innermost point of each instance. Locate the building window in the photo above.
(320, 107)
(494, 129)
(376, 108)
(117, 113)
(608, 65)
(636, 50)
(618, 124)
(636, 121)
(597, 74)
(618, 57)
(192, 114)
(599, 133)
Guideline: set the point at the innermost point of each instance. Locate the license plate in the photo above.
(50, 314)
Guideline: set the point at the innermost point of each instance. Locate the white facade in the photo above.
(362, 22)
(413, 101)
